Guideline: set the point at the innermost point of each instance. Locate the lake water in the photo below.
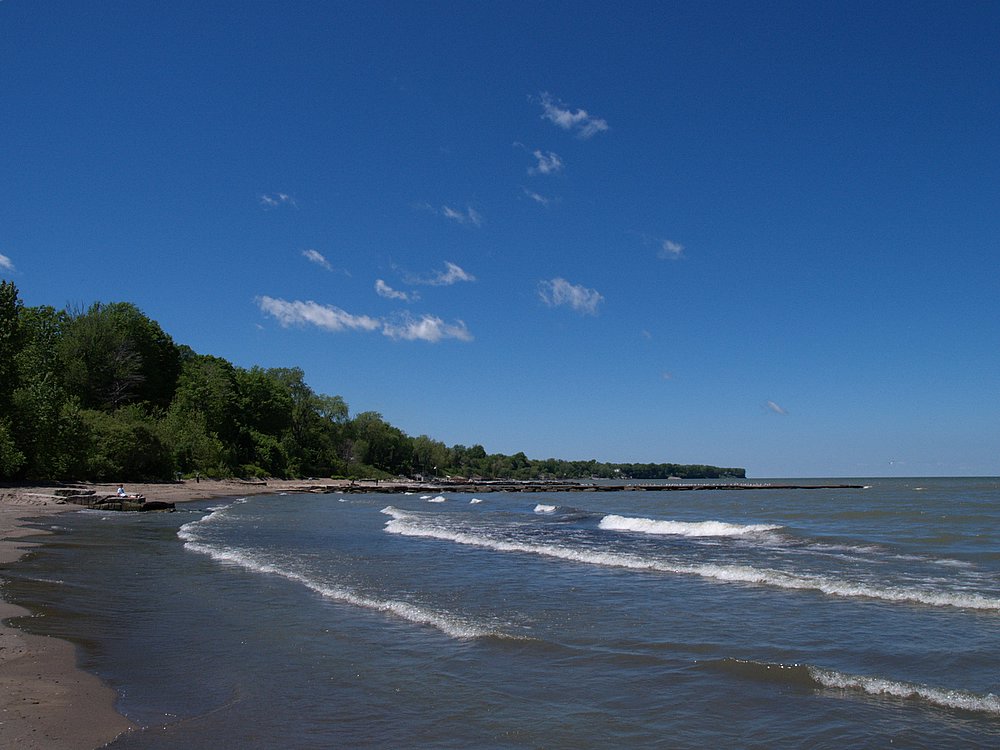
(688, 619)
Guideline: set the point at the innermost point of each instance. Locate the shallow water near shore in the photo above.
(765, 618)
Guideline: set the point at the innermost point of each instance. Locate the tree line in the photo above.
(104, 394)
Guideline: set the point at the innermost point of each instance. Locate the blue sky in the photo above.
(755, 234)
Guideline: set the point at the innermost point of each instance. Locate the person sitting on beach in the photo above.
(121, 491)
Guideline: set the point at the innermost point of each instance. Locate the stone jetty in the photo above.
(89, 498)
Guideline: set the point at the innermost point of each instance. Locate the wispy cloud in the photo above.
(273, 200)
(580, 121)
(775, 408)
(315, 256)
(537, 197)
(428, 328)
(451, 274)
(670, 250)
(557, 292)
(470, 216)
(6, 264)
(548, 163)
(425, 328)
(327, 317)
(666, 249)
(384, 290)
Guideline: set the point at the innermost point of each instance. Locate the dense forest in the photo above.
(105, 394)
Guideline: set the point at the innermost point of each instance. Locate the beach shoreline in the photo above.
(46, 701)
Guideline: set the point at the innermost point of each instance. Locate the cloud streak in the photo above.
(776, 409)
(314, 256)
(471, 216)
(6, 264)
(428, 328)
(384, 290)
(547, 163)
(670, 250)
(452, 274)
(559, 292)
(273, 200)
(537, 197)
(327, 317)
(584, 124)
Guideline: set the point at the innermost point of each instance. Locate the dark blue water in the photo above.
(765, 618)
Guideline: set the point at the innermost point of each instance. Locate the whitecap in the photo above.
(682, 528)
(409, 525)
(946, 698)
(450, 624)
(438, 499)
(540, 508)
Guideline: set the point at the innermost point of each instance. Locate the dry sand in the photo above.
(46, 702)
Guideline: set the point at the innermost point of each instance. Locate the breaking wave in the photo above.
(808, 676)
(408, 524)
(682, 528)
(449, 624)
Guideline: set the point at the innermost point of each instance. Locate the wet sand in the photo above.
(46, 702)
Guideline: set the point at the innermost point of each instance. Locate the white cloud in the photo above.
(314, 256)
(327, 317)
(471, 216)
(776, 409)
(549, 163)
(273, 200)
(583, 123)
(428, 328)
(670, 250)
(536, 197)
(6, 264)
(558, 292)
(451, 274)
(384, 290)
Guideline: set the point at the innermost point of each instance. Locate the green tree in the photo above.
(114, 355)
(381, 445)
(265, 401)
(45, 420)
(428, 456)
(126, 445)
(10, 341)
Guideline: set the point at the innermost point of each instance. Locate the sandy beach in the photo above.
(46, 702)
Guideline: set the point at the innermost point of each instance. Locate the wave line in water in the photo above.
(682, 528)
(450, 625)
(407, 524)
(805, 675)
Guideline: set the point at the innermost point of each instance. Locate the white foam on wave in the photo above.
(475, 501)
(540, 508)
(438, 499)
(450, 625)
(409, 525)
(960, 699)
(682, 528)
